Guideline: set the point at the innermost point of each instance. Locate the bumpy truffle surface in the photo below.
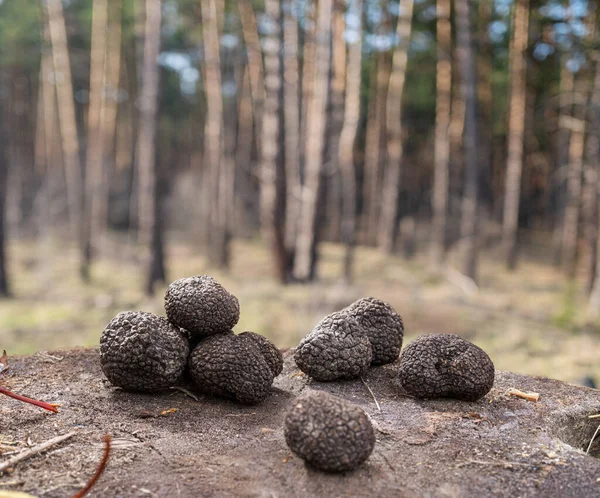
(142, 352)
(328, 433)
(445, 366)
(337, 348)
(234, 366)
(383, 326)
(270, 353)
(201, 306)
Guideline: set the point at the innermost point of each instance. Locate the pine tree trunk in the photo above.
(516, 129)
(149, 202)
(469, 222)
(306, 254)
(442, 130)
(67, 119)
(272, 195)
(391, 184)
(347, 139)
(4, 281)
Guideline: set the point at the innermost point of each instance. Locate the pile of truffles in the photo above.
(144, 352)
(344, 344)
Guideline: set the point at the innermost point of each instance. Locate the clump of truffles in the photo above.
(235, 366)
(337, 348)
(143, 352)
(328, 433)
(201, 306)
(445, 366)
(382, 325)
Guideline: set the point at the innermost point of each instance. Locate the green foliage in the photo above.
(20, 34)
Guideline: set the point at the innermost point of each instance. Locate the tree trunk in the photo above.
(469, 222)
(347, 139)
(516, 129)
(4, 284)
(94, 164)
(442, 137)
(66, 115)
(149, 210)
(305, 259)
(272, 196)
(391, 184)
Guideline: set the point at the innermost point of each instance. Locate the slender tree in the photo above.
(150, 205)
(516, 129)
(469, 222)
(4, 283)
(442, 129)
(305, 260)
(391, 185)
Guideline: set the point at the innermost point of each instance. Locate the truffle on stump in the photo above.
(329, 433)
(337, 348)
(382, 325)
(142, 352)
(445, 366)
(201, 306)
(241, 366)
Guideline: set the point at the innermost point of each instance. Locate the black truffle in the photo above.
(201, 306)
(329, 433)
(235, 366)
(445, 366)
(143, 352)
(383, 326)
(337, 348)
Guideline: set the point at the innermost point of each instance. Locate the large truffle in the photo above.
(201, 306)
(337, 348)
(383, 326)
(142, 352)
(328, 433)
(241, 366)
(445, 366)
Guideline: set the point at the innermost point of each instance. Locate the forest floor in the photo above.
(532, 321)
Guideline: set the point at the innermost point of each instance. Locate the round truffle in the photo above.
(234, 366)
(142, 352)
(329, 433)
(383, 326)
(445, 366)
(201, 306)
(337, 348)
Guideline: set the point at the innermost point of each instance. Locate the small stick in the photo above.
(35, 450)
(185, 391)
(594, 416)
(99, 470)
(587, 452)
(528, 396)
(372, 394)
(51, 407)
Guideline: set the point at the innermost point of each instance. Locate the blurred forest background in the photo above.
(442, 155)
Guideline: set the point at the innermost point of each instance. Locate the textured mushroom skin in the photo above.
(201, 306)
(328, 433)
(337, 348)
(270, 353)
(142, 352)
(383, 326)
(445, 366)
(231, 366)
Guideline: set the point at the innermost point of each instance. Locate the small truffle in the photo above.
(445, 366)
(142, 352)
(383, 326)
(201, 306)
(241, 366)
(337, 348)
(329, 433)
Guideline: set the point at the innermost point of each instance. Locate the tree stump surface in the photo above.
(498, 446)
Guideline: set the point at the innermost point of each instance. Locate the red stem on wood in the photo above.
(46, 406)
(99, 470)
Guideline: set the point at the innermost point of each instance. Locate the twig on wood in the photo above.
(528, 396)
(594, 416)
(99, 470)
(587, 452)
(35, 450)
(186, 392)
(51, 407)
(372, 394)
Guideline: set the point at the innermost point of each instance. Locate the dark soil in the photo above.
(498, 446)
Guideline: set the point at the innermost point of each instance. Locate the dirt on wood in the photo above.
(171, 445)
